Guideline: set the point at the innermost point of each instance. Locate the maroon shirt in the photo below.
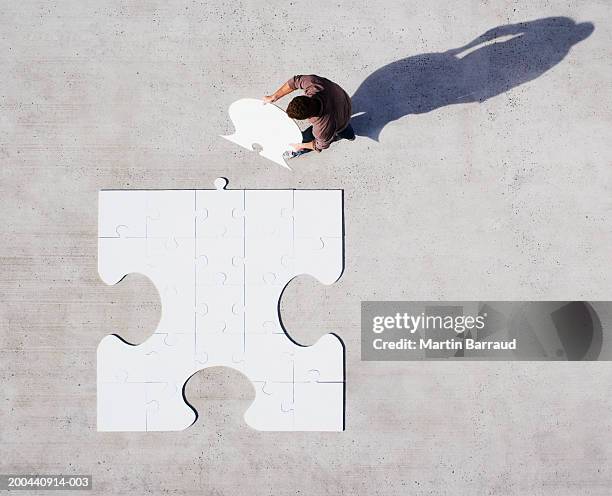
(335, 107)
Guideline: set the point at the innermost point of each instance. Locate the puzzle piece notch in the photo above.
(266, 125)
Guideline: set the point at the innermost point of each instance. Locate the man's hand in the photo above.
(285, 89)
(303, 146)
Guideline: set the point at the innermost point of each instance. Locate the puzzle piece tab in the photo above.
(263, 124)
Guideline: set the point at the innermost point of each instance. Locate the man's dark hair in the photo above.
(303, 107)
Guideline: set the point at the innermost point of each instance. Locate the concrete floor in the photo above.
(504, 199)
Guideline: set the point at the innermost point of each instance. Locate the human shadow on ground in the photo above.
(502, 58)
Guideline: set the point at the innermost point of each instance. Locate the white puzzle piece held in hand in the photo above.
(266, 125)
(220, 260)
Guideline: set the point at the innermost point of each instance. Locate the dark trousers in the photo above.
(346, 133)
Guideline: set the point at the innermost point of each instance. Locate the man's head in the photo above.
(303, 107)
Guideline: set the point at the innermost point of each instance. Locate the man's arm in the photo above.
(503, 31)
(285, 89)
(323, 139)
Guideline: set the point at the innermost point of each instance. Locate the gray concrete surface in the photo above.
(504, 199)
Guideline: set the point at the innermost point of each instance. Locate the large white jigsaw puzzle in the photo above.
(266, 125)
(220, 260)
